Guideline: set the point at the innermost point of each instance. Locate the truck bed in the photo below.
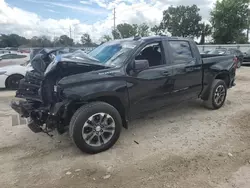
(216, 58)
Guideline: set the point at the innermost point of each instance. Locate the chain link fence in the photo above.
(241, 47)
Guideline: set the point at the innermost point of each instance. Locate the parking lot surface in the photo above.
(184, 146)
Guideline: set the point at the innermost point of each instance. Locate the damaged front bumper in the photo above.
(24, 108)
(21, 107)
(44, 119)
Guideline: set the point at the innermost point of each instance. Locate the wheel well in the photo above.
(112, 100)
(6, 81)
(224, 77)
(116, 103)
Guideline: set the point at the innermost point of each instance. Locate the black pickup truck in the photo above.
(93, 95)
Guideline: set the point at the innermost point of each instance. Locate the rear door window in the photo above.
(181, 51)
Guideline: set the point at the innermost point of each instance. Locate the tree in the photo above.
(43, 41)
(105, 38)
(4, 41)
(241, 38)
(34, 42)
(116, 34)
(66, 41)
(86, 40)
(205, 30)
(157, 30)
(142, 30)
(56, 42)
(181, 21)
(248, 24)
(126, 30)
(228, 20)
(12, 40)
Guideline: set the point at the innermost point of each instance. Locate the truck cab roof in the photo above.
(153, 38)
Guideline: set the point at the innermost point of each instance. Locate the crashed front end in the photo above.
(41, 99)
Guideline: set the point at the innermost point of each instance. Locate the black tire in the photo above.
(82, 115)
(211, 102)
(12, 81)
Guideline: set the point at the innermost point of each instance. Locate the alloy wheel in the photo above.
(219, 95)
(98, 129)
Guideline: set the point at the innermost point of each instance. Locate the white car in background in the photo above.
(11, 75)
(12, 69)
(13, 59)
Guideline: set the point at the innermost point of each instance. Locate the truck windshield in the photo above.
(113, 53)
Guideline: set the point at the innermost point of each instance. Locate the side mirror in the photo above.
(140, 65)
(0, 58)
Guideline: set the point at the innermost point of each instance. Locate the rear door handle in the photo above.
(166, 73)
(189, 69)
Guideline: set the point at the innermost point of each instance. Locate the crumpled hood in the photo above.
(79, 61)
(80, 57)
(87, 77)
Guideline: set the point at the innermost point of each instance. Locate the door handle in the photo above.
(166, 73)
(189, 69)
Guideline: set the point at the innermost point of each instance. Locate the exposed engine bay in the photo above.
(44, 104)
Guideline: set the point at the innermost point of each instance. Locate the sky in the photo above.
(57, 17)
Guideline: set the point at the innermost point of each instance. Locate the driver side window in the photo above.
(153, 53)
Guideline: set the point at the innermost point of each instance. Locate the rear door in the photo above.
(186, 68)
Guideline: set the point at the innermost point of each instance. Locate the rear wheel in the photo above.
(217, 95)
(95, 127)
(12, 81)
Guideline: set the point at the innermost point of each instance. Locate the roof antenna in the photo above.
(163, 34)
(137, 37)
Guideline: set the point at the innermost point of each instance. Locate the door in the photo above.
(187, 71)
(149, 89)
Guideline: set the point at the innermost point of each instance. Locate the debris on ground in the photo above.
(109, 169)
(220, 155)
(136, 142)
(68, 173)
(106, 177)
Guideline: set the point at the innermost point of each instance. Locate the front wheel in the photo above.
(217, 95)
(95, 127)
